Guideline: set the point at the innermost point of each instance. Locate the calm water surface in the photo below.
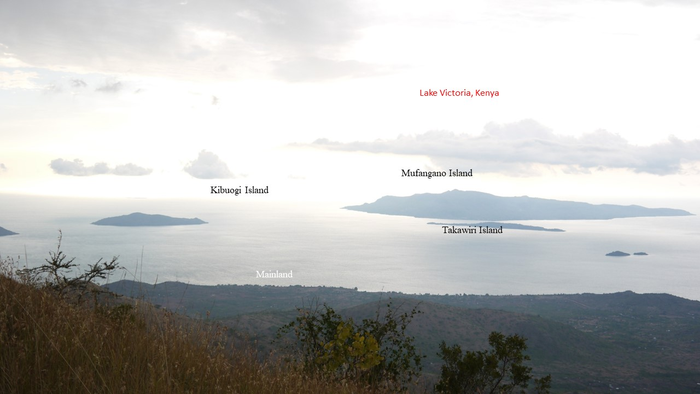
(324, 245)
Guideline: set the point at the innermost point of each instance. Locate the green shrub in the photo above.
(499, 370)
(378, 351)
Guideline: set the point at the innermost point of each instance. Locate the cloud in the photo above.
(2, 167)
(130, 169)
(663, 2)
(10, 60)
(108, 87)
(18, 80)
(53, 88)
(517, 148)
(190, 39)
(78, 83)
(319, 69)
(214, 100)
(78, 168)
(208, 166)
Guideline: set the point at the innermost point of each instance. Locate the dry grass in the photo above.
(49, 344)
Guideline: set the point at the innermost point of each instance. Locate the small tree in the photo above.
(351, 354)
(378, 351)
(499, 370)
(53, 274)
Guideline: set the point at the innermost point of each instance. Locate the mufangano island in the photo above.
(430, 174)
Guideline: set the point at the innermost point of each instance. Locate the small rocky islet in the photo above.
(618, 253)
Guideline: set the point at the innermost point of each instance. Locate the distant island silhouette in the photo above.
(471, 205)
(137, 219)
(510, 226)
(617, 253)
(4, 231)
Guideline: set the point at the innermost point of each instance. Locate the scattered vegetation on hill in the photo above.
(52, 343)
(377, 352)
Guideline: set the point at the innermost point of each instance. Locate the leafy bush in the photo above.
(378, 351)
(499, 370)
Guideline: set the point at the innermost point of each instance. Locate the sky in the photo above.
(322, 100)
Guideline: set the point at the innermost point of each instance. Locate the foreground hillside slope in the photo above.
(56, 344)
(588, 342)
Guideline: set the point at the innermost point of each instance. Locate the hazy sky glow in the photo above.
(320, 100)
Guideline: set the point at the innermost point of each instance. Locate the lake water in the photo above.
(324, 245)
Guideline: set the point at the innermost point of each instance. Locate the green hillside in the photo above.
(588, 342)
